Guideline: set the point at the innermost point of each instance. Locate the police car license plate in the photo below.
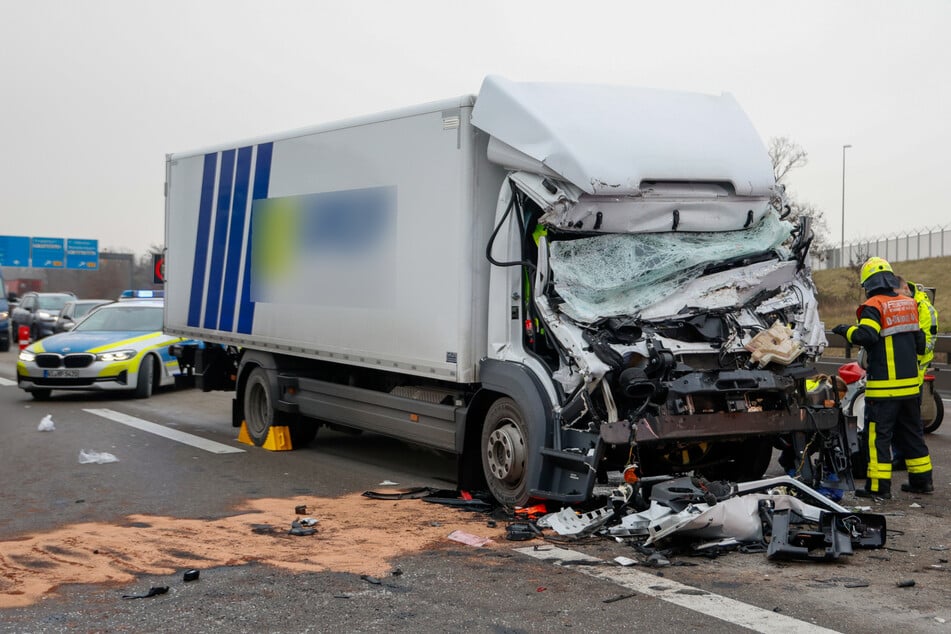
(61, 374)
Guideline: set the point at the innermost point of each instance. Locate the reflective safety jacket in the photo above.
(888, 329)
(928, 321)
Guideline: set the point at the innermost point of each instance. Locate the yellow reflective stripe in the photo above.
(872, 452)
(126, 342)
(888, 392)
(919, 465)
(871, 323)
(880, 383)
(890, 357)
(850, 332)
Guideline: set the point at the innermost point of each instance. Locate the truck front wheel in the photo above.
(258, 408)
(505, 453)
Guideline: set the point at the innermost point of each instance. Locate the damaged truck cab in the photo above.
(549, 280)
(663, 303)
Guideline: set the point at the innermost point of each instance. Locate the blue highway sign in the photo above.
(82, 254)
(14, 251)
(48, 253)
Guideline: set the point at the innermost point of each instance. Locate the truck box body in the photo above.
(399, 285)
(549, 280)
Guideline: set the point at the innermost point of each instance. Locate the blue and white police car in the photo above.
(117, 346)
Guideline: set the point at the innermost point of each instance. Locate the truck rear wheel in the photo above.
(258, 406)
(505, 453)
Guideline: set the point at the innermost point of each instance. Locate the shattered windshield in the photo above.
(621, 274)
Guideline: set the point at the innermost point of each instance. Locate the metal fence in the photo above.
(900, 247)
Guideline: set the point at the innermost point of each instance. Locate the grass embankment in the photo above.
(840, 292)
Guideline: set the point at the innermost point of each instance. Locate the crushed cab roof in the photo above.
(608, 140)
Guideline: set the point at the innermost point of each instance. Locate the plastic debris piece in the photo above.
(388, 483)
(88, 457)
(372, 580)
(914, 505)
(191, 574)
(619, 597)
(153, 591)
(301, 509)
(399, 494)
(469, 539)
(906, 583)
(568, 522)
(308, 521)
(300, 530)
(519, 532)
(625, 561)
(47, 424)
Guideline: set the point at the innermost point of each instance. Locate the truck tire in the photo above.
(146, 377)
(505, 453)
(258, 406)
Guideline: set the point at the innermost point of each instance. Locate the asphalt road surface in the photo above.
(182, 493)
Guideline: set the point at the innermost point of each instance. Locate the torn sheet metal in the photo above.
(611, 140)
(570, 523)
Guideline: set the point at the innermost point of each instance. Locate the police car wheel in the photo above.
(146, 378)
(41, 394)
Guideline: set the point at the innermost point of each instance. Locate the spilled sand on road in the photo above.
(354, 534)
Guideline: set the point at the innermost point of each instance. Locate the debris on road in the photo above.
(469, 539)
(153, 591)
(300, 529)
(88, 457)
(191, 574)
(47, 424)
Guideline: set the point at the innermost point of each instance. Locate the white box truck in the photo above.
(548, 280)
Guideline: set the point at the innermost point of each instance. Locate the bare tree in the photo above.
(787, 155)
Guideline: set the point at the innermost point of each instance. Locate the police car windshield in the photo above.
(120, 317)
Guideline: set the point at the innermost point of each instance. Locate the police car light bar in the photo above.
(141, 294)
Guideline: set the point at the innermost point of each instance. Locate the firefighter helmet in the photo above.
(873, 266)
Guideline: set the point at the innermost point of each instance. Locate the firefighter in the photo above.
(888, 329)
(927, 320)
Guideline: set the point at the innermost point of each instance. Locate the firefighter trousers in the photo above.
(895, 421)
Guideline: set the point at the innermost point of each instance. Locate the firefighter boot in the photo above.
(876, 488)
(919, 483)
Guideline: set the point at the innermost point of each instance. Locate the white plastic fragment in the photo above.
(388, 483)
(569, 522)
(87, 457)
(625, 561)
(47, 424)
(914, 505)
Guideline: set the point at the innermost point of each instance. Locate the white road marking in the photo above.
(708, 603)
(6, 382)
(165, 432)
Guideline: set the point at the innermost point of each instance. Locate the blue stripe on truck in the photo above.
(262, 180)
(213, 295)
(235, 239)
(201, 240)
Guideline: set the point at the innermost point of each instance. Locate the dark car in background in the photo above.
(73, 311)
(39, 311)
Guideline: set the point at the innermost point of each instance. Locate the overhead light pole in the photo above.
(842, 244)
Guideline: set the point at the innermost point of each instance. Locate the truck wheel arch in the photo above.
(513, 380)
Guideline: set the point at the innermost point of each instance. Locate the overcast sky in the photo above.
(95, 93)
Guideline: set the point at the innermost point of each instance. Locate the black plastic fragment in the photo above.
(153, 591)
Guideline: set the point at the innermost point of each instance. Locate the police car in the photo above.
(117, 346)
